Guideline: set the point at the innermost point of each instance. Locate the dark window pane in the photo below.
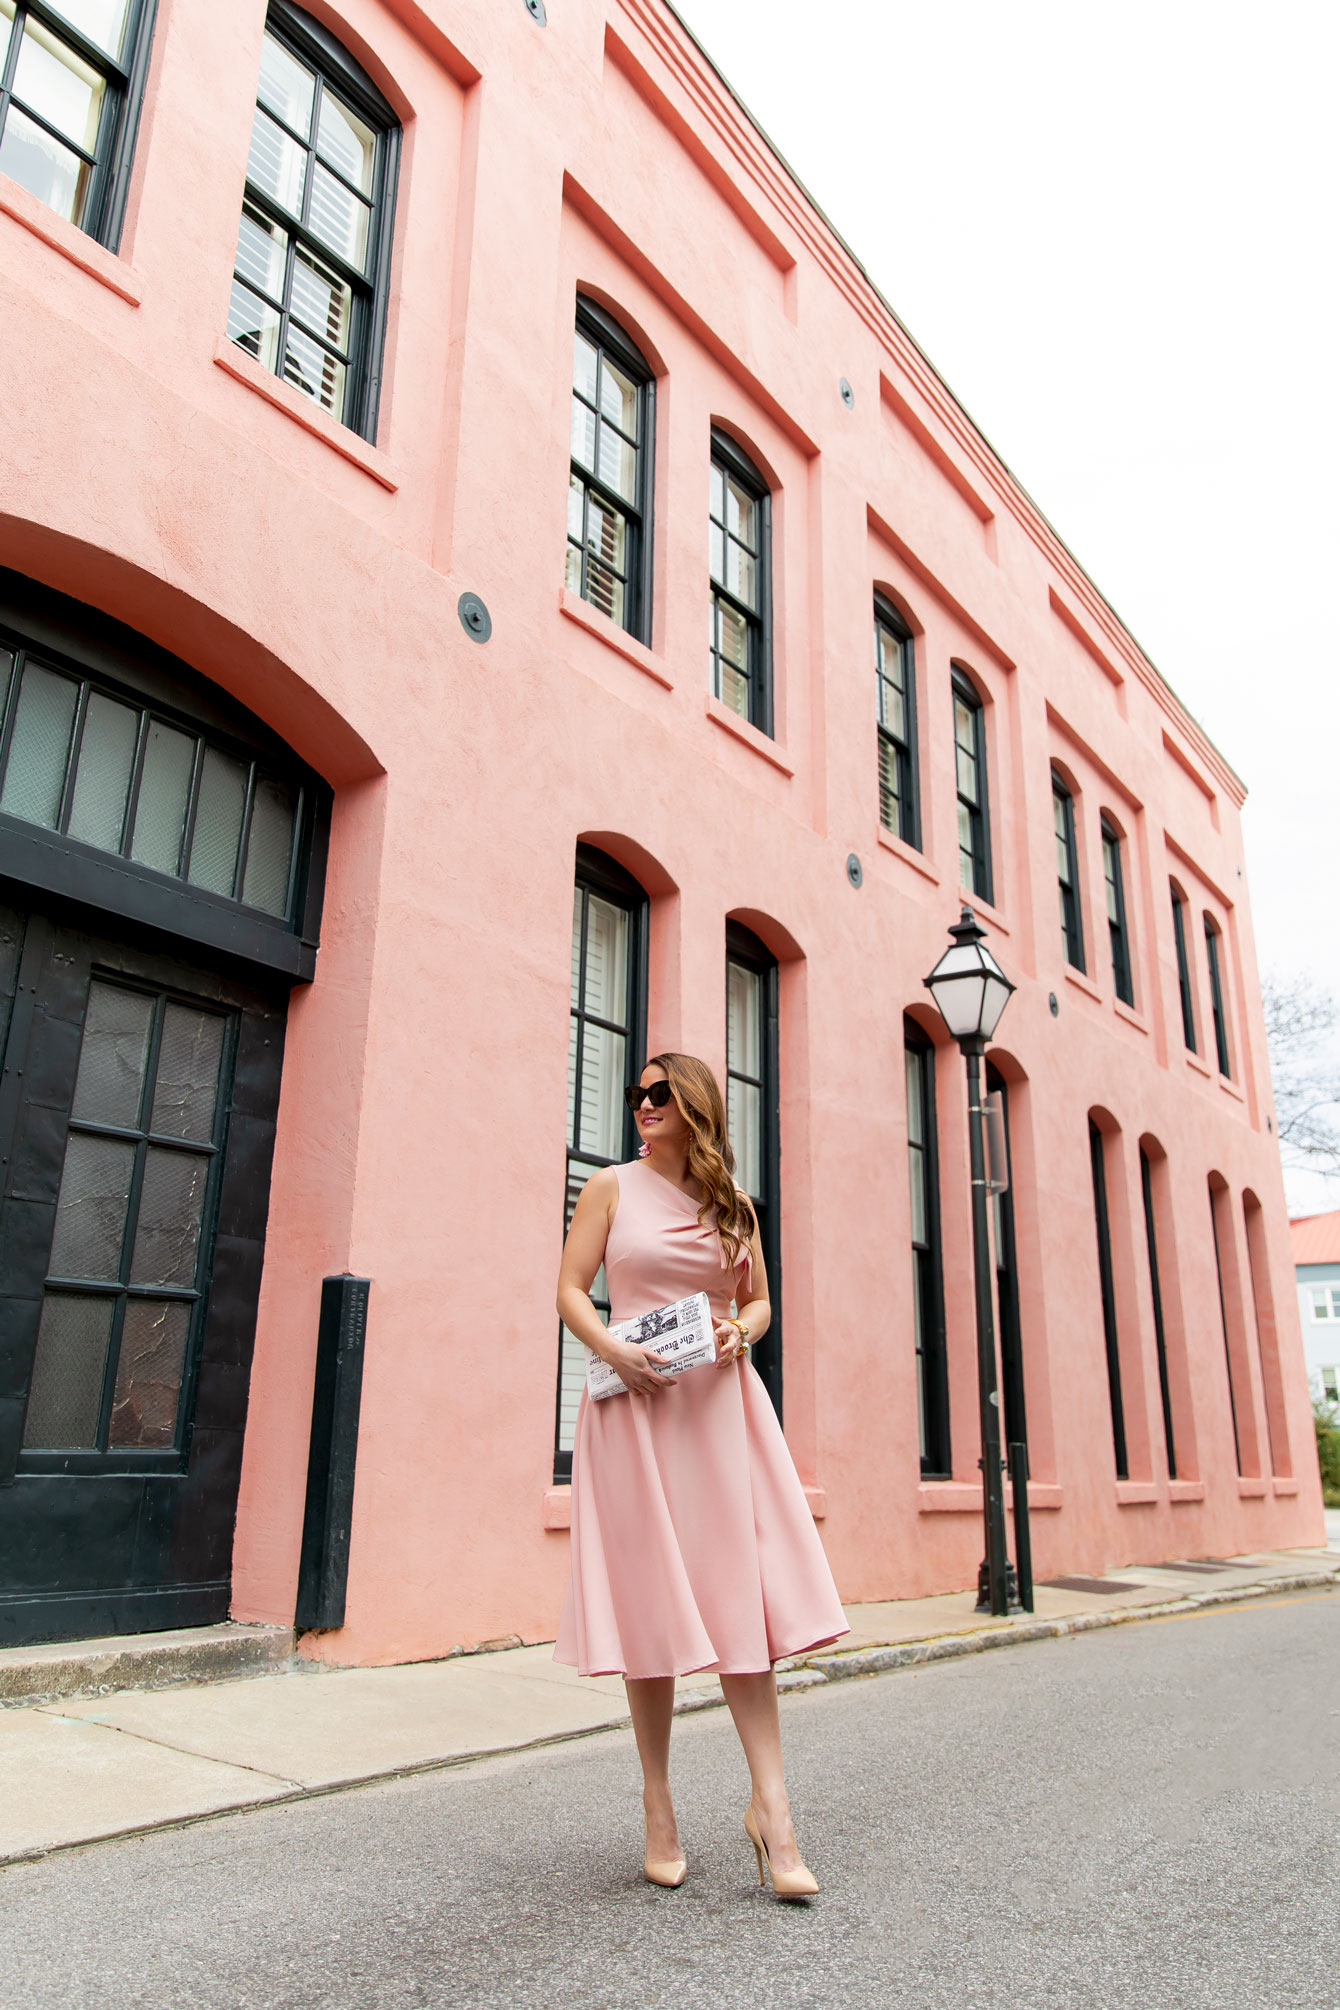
(269, 848)
(91, 1212)
(40, 746)
(167, 1234)
(148, 1373)
(102, 779)
(218, 822)
(165, 789)
(187, 1088)
(110, 1082)
(65, 1395)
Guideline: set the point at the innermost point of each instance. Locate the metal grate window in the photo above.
(609, 481)
(606, 1045)
(71, 80)
(1117, 934)
(130, 1246)
(111, 772)
(896, 725)
(974, 835)
(739, 546)
(1067, 873)
(311, 273)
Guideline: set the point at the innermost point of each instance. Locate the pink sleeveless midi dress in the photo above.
(693, 1546)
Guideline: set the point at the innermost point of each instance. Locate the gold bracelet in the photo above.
(742, 1330)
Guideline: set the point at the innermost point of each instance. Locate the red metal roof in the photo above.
(1316, 1238)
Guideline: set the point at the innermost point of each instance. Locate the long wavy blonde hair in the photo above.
(711, 1160)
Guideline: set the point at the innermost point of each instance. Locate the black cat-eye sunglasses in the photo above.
(656, 1093)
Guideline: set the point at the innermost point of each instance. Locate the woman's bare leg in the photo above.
(652, 1705)
(753, 1705)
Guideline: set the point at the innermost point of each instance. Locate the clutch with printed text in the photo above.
(680, 1336)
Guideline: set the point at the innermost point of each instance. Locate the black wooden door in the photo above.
(137, 1113)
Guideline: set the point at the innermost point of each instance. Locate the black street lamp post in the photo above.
(971, 991)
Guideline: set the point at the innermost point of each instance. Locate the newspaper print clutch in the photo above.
(681, 1336)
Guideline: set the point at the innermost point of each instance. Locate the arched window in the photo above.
(740, 545)
(71, 81)
(1217, 1008)
(610, 479)
(312, 272)
(974, 822)
(1067, 873)
(753, 1116)
(896, 724)
(1118, 934)
(928, 1314)
(1102, 1224)
(1156, 1289)
(1185, 992)
(607, 1044)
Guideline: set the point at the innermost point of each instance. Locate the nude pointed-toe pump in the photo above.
(799, 1883)
(669, 1873)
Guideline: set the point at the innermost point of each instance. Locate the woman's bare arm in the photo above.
(583, 1254)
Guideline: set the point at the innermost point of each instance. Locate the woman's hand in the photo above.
(729, 1344)
(636, 1369)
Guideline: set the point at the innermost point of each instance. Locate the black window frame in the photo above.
(979, 812)
(1160, 1337)
(1111, 1339)
(113, 156)
(1072, 916)
(1184, 987)
(732, 460)
(604, 332)
(335, 69)
(928, 1301)
(745, 949)
(597, 873)
(1214, 1194)
(1013, 1401)
(1118, 934)
(903, 750)
(108, 658)
(1213, 937)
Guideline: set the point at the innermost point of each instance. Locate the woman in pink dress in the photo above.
(693, 1546)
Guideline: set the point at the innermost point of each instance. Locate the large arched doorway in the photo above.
(161, 864)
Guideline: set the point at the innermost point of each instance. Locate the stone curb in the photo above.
(30, 1676)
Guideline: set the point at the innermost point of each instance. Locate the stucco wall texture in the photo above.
(152, 470)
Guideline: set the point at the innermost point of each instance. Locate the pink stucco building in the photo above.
(395, 394)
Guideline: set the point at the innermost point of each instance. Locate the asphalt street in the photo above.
(1145, 1816)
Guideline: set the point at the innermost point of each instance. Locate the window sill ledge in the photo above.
(311, 418)
(908, 853)
(1230, 1088)
(1083, 983)
(1194, 1061)
(818, 1502)
(1186, 1490)
(1136, 1493)
(1284, 1485)
(730, 722)
(556, 1508)
(985, 910)
(616, 638)
(1252, 1488)
(1130, 1015)
(71, 242)
(965, 1497)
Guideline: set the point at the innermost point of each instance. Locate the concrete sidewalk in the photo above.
(79, 1769)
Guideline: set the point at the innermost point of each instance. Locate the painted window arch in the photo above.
(1185, 989)
(609, 560)
(607, 1045)
(311, 277)
(896, 723)
(928, 1306)
(1218, 1008)
(753, 1116)
(740, 553)
(974, 814)
(71, 83)
(1067, 872)
(1118, 931)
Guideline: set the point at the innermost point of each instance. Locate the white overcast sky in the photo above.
(1113, 229)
